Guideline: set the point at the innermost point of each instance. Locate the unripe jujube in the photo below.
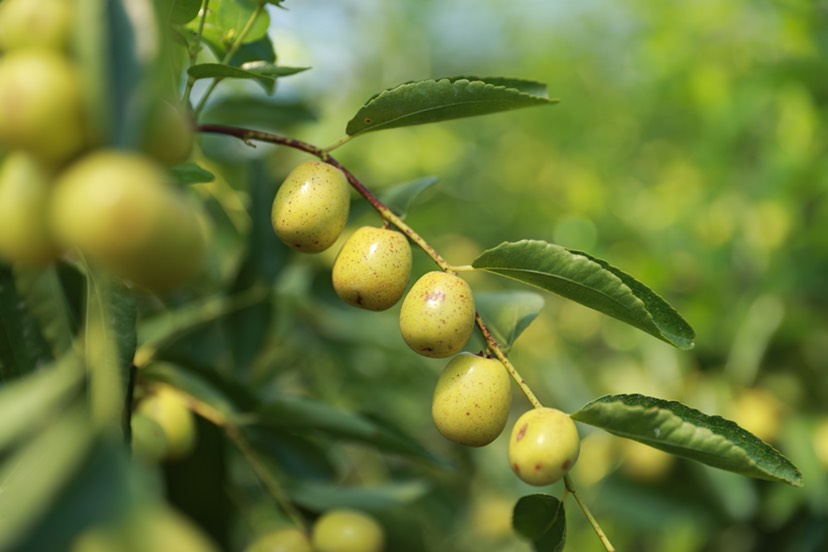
(437, 315)
(41, 105)
(119, 209)
(544, 446)
(169, 410)
(311, 207)
(345, 530)
(39, 24)
(25, 235)
(373, 268)
(168, 137)
(471, 400)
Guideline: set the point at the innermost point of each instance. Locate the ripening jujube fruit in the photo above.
(346, 530)
(169, 410)
(168, 137)
(25, 236)
(471, 400)
(373, 268)
(39, 24)
(311, 207)
(120, 210)
(544, 446)
(437, 315)
(41, 109)
(281, 540)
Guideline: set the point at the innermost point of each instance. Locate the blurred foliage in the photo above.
(688, 149)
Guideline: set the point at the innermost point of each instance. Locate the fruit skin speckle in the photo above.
(311, 207)
(544, 446)
(437, 315)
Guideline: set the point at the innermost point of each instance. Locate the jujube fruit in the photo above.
(120, 210)
(373, 268)
(169, 410)
(41, 105)
(346, 530)
(437, 315)
(311, 207)
(282, 540)
(40, 24)
(25, 236)
(544, 446)
(471, 400)
(168, 137)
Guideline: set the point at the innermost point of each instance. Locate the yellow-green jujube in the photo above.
(25, 235)
(373, 268)
(281, 540)
(544, 446)
(41, 108)
(169, 135)
(471, 400)
(119, 209)
(311, 207)
(40, 24)
(169, 410)
(346, 530)
(437, 315)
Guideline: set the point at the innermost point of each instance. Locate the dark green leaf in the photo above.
(508, 313)
(302, 414)
(45, 298)
(323, 496)
(20, 339)
(400, 198)
(591, 282)
(258, 50)
(675, 428)
(179, 12)
(429, 101)
(190, 173)
(541, 519)
(219, 71)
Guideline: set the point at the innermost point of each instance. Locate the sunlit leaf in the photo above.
(190, 173)
(591, 282)
(225, 21)
(429, 101)
(508, 313)
(678, 429)
(400, 198)
(263, 73)
(541, 519)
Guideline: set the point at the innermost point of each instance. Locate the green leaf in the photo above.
(260, 113)
(541, 519)
(324, 496)
(591, 282)
(400, 198)
(179, 12)
(20, 338)
(110, 342)
(191, 173)
(259, 50)
(225, 21)
(430, 101)
(508, 313)
(28, 401)
(219, 71)
(675, 428)
(46, 300)
(303, 414)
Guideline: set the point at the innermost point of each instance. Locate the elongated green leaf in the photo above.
(302, 414)
(190, 173)
(541, 519)
(263, 73)
(400, 198)
(260, 113)
(44, 296)
(591, 282)
(322, 496)
(675, 428)
(430, 101)
(21, 343)
(508, 313)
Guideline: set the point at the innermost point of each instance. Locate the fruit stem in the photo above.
(247, 135)
(194, 49)
(231, 52)
(570, 487)
(495, 348)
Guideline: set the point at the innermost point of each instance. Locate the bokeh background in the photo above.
(689, 150)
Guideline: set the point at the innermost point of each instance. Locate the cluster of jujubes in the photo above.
(63, 188)
(338, 530)
(473, 395)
